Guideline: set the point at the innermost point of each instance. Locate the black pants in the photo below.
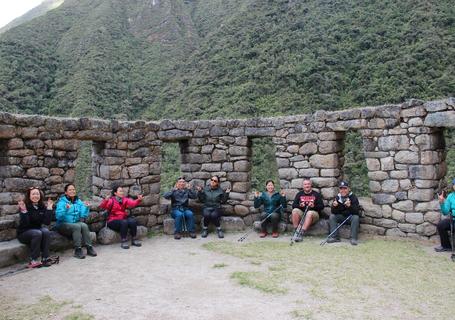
(123, 226)
(444, 233)
(212, 215)
(274, 219)
(38, 240)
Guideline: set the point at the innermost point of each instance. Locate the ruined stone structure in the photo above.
(403, 146)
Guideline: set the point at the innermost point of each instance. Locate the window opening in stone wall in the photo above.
(263, 163)
(84, 170)
(170, 165)
(449, 138)
(355, 169)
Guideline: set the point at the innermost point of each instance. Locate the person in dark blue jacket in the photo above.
(274, 203)
(71, 214)
(33, 214)
(179, 197)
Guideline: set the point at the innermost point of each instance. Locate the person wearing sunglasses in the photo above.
(71, 214)
(33, 214)
(179, 196)
(212, 196)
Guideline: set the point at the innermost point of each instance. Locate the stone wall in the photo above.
(403, 146)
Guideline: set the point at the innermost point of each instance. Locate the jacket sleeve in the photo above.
(47, 217)
(201, 196)
(296, 202)
(258, 201)
(103, 204)
(445, 206)
(84, 210)
(224, 197)
(192, 194)
(338, 209)
(319, 205)
(60, 210)
(130, 203)
(168, 195)
(355, 205)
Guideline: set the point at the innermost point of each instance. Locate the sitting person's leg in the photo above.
(122, 227)
(334, 220)
(74, 231)
(311, 218)
(178, 217)
(264, 224)
(355, 224)
(32, 238)
(275, 220)
(215, 217)
(45, 243)
(132, 226)
(86, 240)
(189, 218)
(444, 230)
(207, 218)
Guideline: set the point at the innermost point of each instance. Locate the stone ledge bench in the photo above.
(109, 236)
(228, 223)
(13, 251)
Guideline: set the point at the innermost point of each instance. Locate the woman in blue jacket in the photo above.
(71, 214)
(447, 207)
(274, 203)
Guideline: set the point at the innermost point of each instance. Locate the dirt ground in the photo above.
(169, 279)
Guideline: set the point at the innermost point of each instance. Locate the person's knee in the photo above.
(178, 213)
(132, 222)
(76, 227)
(36, 234)
(332, 218)
(84, 226)
(45, 233)
(188, 213)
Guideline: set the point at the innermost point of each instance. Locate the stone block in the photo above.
(109, 236)
(324, 161)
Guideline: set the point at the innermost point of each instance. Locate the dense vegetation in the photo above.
(239, 58)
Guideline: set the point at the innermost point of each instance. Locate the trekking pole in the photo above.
(333, 232)
(299, 228)
(452, 256)
(184, 226)
(242, 238)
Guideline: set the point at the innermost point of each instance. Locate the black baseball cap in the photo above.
(344, 184)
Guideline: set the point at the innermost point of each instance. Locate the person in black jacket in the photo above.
(33, 213)
(306, 198)
(345, 204)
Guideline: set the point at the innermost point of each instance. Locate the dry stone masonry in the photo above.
(403, 146)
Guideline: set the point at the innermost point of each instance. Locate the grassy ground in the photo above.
(401, 280)
(45, 308)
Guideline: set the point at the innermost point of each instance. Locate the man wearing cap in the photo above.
(344, 205)
(307, 198)
(447, 207)
(179, 196)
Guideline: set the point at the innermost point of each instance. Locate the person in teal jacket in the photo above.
(71, 214)
(447, 207)
(272, 200)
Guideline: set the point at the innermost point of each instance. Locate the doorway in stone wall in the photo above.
(354, 169)
(83, 170)
(449, 155)
(171, 161)
(263, 163)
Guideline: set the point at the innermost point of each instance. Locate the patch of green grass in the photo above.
(79, 316)
(399, 276)
(302, 314)
(258, 280)
(219, 265)
(154, 233)
(45, 308)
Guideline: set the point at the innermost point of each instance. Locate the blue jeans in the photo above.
(178, 214)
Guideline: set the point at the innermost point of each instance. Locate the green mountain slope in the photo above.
(204, 59)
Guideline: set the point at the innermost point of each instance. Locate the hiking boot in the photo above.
(332, 240)
(220, 233)
(192, 235)
(442, 249)
(205, 232)
(177, 236)
(91, 252)
(275, 235)
(136, 243)
(34, 264)
(46, 262)
(263, 234)
(354, 242)
(78, 253)
(124, 244)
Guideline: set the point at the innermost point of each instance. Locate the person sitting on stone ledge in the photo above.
(447, 207)
(344, 205)
(307, 198)
(33, 213)
(274, 203)
(118, 218)
(179, 197)
(71, 214)
(212, 196)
